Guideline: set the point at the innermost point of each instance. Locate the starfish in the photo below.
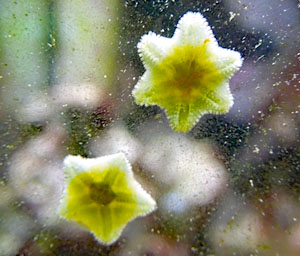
(102, 195)
(187, 75)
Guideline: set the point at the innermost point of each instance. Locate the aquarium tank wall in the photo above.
(162, 128)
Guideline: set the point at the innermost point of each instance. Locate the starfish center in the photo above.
(188, 73)
(101, 193)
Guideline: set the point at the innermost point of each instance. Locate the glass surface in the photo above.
(230, 186)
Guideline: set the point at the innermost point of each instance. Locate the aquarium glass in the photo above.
(149, 128)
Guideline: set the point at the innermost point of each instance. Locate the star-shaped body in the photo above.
(102, 195)
(187, 75)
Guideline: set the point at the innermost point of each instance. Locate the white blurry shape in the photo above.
(156, 158)
(174, 202)
(189, 166)
(36, 175)
(43, 106)
(47, 144)
(294, 238)
(117, 139)
(15, 230)
(286, 209)
(37, 108)
(86, 95)
(10, 244)
(284, 126)
(235, 228)
(202, 177)
(151, 244)
(241, 233)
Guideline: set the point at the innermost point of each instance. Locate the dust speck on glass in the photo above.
(150, 127)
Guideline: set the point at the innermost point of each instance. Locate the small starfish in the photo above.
(187, 75)
(102, 195)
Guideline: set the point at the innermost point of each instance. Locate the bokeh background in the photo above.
(231, 186)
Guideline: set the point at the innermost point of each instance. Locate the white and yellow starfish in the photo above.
(187, 75)
(102, 195)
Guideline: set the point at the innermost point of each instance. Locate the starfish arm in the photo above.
(118, 219)
(142, 92)
(101, 221)
(222, 97)
(118, 160)
(182, 117)
(121, 213)
(133, 197)
(193, 29)
(227, 61)
(73, 165)
(145, 203)
(111, 228)
(152, 48)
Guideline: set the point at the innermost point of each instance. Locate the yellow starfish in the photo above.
(187, 75)
(102, 195)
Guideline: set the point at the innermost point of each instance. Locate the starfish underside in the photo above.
(185, 86)
(186, 75)
(103, 199)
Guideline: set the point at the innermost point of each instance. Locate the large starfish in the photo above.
(187, 75)
(102, 195)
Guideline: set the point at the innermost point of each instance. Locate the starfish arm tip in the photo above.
(184, 125)
(141, 92)
(227, 61)
(73, 165)
(152, 47)
(193, 29)
(112, 239)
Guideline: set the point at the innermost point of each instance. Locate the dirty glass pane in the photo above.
(228, 186)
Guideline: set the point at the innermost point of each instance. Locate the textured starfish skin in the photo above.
(187, 75)
(102, 195)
